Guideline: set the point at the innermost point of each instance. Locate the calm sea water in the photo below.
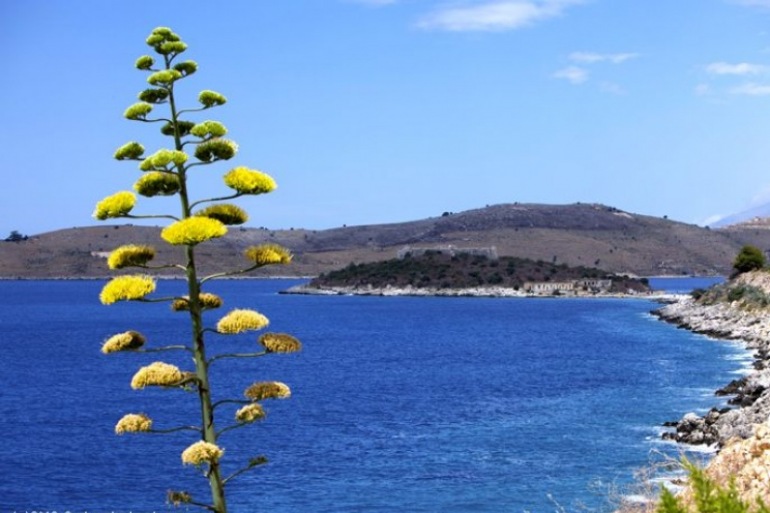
(400, 404)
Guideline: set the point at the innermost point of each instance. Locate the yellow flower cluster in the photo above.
(164, 78)
(157, 374)
(126, 288)
(127, 341)
(157, 183)
(116, 205)
(216, 149)
(211, 99)
(162, 158)
(138, 111)
(192, 231)
(268, 390)
(144, 62)
(130, 255)
(130, 150)
(208, 302)
(133, 423)
(280, 343)
(240, 321)
(266, 254)
(225, 213)
(249, 181)
(202, 452)
(208, 129)
(250, 413)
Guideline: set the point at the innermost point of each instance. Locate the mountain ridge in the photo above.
(577, 234)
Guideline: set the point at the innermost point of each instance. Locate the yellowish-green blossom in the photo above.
(207, 300)
(138, 111)
(192, 231)
(126, 288)
(160, 35)
(267, 390)
(157, 374)
(133, 423)
(164, 78)
(225, 213)
(144, 62)
(161, 159)
(280, 343)
(268, 254)
(154, 95)
(211, 99)
(126, 341)
(250, 413)
(240, 321)
(118, 205)
(130, 255)
(208, 129)
(217, 148)
(129, 151)
(249, 181)
(186, 68)
(202, 452)
(157, 183)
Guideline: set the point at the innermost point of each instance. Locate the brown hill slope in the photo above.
(580, 234)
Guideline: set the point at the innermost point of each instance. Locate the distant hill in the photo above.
(577, 235)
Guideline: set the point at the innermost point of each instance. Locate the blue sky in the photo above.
(378, 111)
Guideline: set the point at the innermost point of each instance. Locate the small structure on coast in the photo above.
(450, 250)
(568, 287)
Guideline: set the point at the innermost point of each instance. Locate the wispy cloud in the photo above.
(496, 15)
(751, 89)
(742, 68)
(579, 73)
(591, 58)
(765, 4)
(572, 74)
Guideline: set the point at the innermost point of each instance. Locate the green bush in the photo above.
(708, 497)
(749, 258)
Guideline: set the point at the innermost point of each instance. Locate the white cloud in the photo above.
(712, 220)
(742, 68)
(572, 74)
(752, 89)
(590, 57)
(497, 15)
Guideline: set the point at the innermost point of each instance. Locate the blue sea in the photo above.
(400, 404)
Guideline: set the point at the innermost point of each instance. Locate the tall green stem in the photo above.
(196, 318)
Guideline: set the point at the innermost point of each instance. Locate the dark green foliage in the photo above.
(749, 258)
(462, 270)
(15, 236)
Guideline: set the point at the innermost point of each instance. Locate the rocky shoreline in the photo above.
(485, 291)
(750, 401)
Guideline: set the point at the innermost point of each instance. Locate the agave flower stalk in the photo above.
(166, 172)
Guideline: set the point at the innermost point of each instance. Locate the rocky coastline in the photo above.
(750, 394)
(482, 291)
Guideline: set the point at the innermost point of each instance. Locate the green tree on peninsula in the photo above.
(190, 146)
(749, 258)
